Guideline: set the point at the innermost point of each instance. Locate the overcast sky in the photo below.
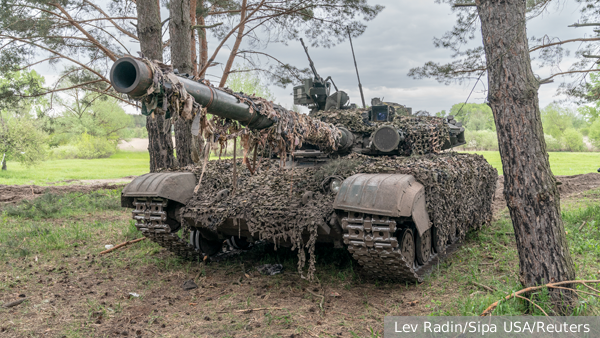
(401, 38)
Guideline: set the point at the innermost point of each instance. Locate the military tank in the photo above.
(380, 181)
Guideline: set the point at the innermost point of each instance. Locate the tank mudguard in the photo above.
(394, 195)
(174, 186)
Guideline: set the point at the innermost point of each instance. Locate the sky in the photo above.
(398, 39)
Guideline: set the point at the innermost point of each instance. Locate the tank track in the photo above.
(371, 241)
(150, 218)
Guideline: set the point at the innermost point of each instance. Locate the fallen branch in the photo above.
(581, 226)
(15, 303)
(493, 263)
(556, 285)
(317, 295)
(529, 300)
(251, 310)
(122, 245)
(488, 288)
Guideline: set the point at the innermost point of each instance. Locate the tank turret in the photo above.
(388, 125)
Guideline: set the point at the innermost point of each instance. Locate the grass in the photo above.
(125, 163)
(49, 251)
(561, 163)
(121, 164)
(490, 258)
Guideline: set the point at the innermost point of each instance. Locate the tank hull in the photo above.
(431, 201)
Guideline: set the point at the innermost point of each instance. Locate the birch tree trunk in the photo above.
(529, 185)
(160, 144)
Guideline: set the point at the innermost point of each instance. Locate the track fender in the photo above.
(394, 195)
(175, 186)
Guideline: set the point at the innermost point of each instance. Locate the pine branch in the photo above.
(563, 42)
(63, 89)
(56, 53)
(543, 81)
(472, 4)
(583, 24)
(111, 21)
(93, 40)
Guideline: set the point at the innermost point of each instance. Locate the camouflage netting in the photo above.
(424, 134)
(459, 191)
(459, 187)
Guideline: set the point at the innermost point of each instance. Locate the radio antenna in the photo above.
(362, 96)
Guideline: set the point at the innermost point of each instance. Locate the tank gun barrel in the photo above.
(133, 77)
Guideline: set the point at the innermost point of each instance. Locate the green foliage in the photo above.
(594, 133)
(557, 119)
(474, 116)
(89, 114)
(573, 140)
(245, 81)
(553, 144)
(136, 132)
(481, 139)
(18, 90)
(85, 147)
(21, 139)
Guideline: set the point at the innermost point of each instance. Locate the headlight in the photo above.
(335, 185)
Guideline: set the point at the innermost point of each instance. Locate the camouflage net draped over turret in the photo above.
(424, 134)
(459, 191)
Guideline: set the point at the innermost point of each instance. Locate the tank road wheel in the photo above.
(423, 247)
(407, 246)
(207, 247)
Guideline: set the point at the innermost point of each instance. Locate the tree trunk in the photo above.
(529, 185)
(236, 45)
(160, 144)
(183, 141)
(203, 40)
(180, 28)
(149, 29)
(193, 38)
(4, 162)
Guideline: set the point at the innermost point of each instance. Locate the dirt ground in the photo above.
(16, 193)
(80, 293)
(569, 185)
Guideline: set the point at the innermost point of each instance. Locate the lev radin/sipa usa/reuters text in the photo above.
(483, 328)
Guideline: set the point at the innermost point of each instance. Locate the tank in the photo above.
(380, 181)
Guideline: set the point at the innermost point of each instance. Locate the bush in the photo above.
(553, 144)
(594, 133)
(481, 140)
(573, 140)
(86, 147)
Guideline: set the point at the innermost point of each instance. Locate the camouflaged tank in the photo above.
(379, 181)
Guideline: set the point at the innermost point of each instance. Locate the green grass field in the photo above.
(126, 163)
(119, 165)
(562, 163)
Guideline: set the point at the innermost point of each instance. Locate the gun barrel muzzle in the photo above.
(133, 77)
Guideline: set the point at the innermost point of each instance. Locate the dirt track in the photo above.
(15, 193)
(570, 185)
